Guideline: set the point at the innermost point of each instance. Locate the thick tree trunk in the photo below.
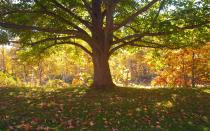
(102, 75)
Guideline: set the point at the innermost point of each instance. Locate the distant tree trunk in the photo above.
(184, 73)
(25, 74)
(3, 59)
(193, 70)
(133, 70)
(40, 71)
(65, 68)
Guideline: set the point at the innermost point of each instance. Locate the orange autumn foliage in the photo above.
(185, 66)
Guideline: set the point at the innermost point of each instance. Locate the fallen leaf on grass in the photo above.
(25, 126)
(106, 122)
(11, 127)
(70, 124)
(91, 123)
(43, 105)
(158, 126)
(205, 119)
(114, 129)
(61, 107)
(138, 109)
(35, 121)
(129, 114)
(118, 113)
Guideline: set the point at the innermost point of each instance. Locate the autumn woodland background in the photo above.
(65, 66)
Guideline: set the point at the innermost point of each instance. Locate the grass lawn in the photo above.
(126, 109)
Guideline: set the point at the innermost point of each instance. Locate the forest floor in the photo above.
(116, 109)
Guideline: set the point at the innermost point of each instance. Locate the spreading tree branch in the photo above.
(69, 43)
(149, 44)
(47, 12)
(133, 16)
(87, 6)
(158, 13)
(84, 22)
(54, 15)
(51, 39)
(35, 28)
(162, 33)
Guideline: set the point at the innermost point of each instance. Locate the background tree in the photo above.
(185, 68)
(130, 66)
(3, 40)
(100, 27)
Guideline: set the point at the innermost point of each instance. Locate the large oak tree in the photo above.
(101, 27)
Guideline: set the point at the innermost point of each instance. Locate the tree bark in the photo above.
(102, 76)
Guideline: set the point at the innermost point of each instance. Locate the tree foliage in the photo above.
(182, 67)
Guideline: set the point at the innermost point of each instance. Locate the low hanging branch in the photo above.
(68, 43)
(51, 39)
(35, 28)
(42, 12)
(178, 29)
(149, 44)
(80, 35)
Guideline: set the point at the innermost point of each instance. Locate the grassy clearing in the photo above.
(117, 109)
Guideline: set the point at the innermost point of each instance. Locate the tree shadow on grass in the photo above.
(119, 108)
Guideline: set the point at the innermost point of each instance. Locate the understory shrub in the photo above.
(56, 83)
(7, 80)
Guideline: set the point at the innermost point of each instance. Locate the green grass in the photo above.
(118, 109)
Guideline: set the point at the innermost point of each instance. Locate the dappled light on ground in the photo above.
(116, 109)
(167, 104)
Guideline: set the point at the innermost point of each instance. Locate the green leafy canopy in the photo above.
(145, 23)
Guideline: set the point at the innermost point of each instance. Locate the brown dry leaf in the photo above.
(114, 129)
(11, 127)
(158, 126)
(25, 126)
(118, 113)
(106, 122)
(71, 125)
(61, 107)
(130, 114)
(91, 123)
(43, 105)
(36, 120)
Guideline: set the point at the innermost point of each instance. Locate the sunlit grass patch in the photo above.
(206, 90)
(167, 104)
